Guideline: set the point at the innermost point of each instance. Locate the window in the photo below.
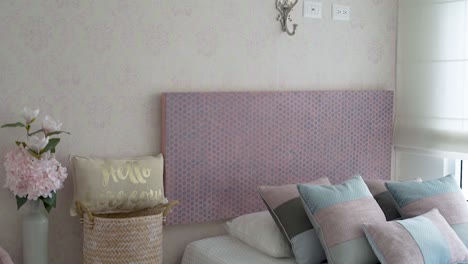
(432, 90)
(432, 75)
(461, 170)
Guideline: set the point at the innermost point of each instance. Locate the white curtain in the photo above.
(432, 75)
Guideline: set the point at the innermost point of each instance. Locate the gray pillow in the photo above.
(384, 198)
(286, 208)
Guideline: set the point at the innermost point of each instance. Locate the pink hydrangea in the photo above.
(32, 177)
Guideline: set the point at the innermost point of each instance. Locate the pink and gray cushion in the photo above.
(413, 199)
(286, 208)
(384, 198)
(425, 239)
(337, 213)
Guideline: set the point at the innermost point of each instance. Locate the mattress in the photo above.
(226, 250)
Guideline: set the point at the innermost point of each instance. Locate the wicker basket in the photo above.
(124, 238)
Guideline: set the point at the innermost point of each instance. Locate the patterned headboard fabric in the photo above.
(219, 147)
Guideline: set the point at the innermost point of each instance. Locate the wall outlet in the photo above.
(312, 9)
(341, 12)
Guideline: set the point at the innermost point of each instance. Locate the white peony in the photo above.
(29, 114)
(36, 143)
(50, 125)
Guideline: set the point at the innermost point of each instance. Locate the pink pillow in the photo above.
(4, 257)
(427, 238)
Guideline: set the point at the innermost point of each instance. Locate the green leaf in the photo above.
(20, 201)
(57, 133)
(35, 132)
(18, 143)
(18, 124)
(50, 202)
(48, 207)
(53, 142)
(34, 154)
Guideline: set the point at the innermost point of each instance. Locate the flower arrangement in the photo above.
(32, 172)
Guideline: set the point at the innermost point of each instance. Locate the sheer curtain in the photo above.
(432, 76)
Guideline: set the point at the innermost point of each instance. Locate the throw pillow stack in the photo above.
(370, 222)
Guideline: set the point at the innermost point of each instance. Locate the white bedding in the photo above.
(226, 250)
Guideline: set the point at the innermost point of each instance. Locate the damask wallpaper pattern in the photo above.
(100, 66)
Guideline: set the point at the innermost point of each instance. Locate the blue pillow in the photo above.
(416, 198)
(337, 213)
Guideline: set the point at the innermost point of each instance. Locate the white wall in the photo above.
(100, 67)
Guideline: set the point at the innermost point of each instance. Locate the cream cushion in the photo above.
(117, 185)
(260, 231)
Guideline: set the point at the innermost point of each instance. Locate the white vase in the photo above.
(35, 234)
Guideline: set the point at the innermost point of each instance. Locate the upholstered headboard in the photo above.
(219, 147)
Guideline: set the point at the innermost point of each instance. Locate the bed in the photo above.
(226, 250)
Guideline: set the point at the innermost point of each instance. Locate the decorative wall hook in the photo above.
(285, 7)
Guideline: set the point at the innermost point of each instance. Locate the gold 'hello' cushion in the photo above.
(117, 185)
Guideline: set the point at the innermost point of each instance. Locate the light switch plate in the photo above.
(341, 12)
(312, 9)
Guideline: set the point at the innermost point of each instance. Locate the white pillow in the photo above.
(260, 231)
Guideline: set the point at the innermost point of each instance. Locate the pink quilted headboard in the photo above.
(220, 146)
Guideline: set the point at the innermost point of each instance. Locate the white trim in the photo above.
(433, 153)
(393, 175)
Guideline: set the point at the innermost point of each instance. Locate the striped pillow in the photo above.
(285, 206)
(414, 198)
(425, 239)
(337, 213)
(384, 198)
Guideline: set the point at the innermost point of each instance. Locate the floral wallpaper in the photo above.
(100, 67)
